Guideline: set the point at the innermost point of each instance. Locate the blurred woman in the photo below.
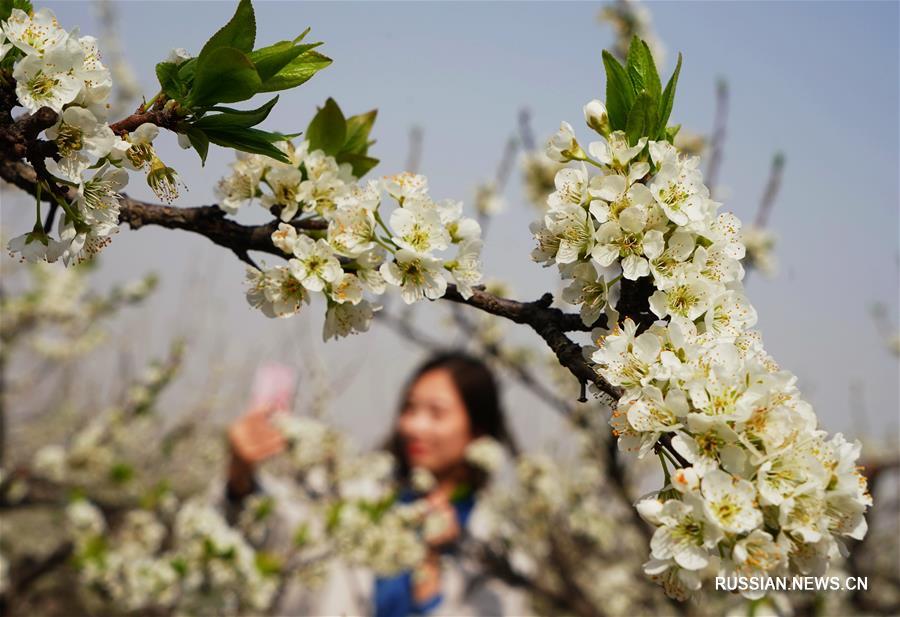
(449, 401)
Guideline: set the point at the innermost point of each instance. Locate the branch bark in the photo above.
(549, 323)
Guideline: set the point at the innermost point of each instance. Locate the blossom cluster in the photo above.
(565, 514)
(61, 70)
(354, 512)
(205, 565)
(359, 250)
(765, 492)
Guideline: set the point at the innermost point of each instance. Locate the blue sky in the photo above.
(815, 80)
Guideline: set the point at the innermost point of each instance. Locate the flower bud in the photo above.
(596, 117)
(163, 180)
(563, 146)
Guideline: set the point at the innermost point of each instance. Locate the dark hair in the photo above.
(478, 389)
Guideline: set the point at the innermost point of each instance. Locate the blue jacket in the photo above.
(394, 595)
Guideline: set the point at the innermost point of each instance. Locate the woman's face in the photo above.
(433, 425)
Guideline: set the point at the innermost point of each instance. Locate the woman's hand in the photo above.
(252, 439)
(442, 526)
(427, 578)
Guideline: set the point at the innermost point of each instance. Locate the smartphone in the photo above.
(274, 385)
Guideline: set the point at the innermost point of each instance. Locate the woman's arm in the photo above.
(252, 439)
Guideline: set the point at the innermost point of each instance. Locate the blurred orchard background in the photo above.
(792, 106)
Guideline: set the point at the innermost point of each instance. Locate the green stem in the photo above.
(64, 205)
(671, 458)
(147, 105)
(665, 468)
(380, 221)
(37, 205)
(588, 159)
(380, 242)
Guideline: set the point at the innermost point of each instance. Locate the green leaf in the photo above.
(200, 142)
(641, 69)
(361, 163)
(328, 129)
(7, 6)
(668, 99)
(268, 564)
(619, 92)
(272, 59)
(253, 141)
(121, 473)
(671, 132)
(301, 535)
(298, 71)
(358, 129)
(225, 75)
(239, 32)
(187, 69)
(642, 118)
(235, 117)
(170, 81)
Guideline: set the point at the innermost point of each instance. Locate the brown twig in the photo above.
(768, 199)
(718, 136)
(414, 157)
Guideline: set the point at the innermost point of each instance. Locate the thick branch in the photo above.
(210, 221)
(163, 118)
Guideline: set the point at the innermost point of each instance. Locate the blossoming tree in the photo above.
(752, 485)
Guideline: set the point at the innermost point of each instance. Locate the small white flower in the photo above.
(178, 55)
(48, 81)
(572, 228)
(488, 201)
(466, 268)
(757, 555)
(625, 358)
(34, 34)
(563, 146)
(625, 240)
(417, 226)
(589, 290)
(241, 186)
(418, 276)
(422, 480)
(729, 502)
(653, 414)
(32, 246)
(615, 151)
(136, 150)
(614, 193)
(4, 47)
(346, 289)
(406, 184)
(276, 292)
(683, 533)
(326, 183)
(79, 131)
(730, 314)
(314, 263)
(680, 192)
(285, 238)
(571, 187)
(596, 117)
(285, 184)
(347, 318)
(677, 582)
(689, 298)
(805, 514)
(485, 453)
(351, 230)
